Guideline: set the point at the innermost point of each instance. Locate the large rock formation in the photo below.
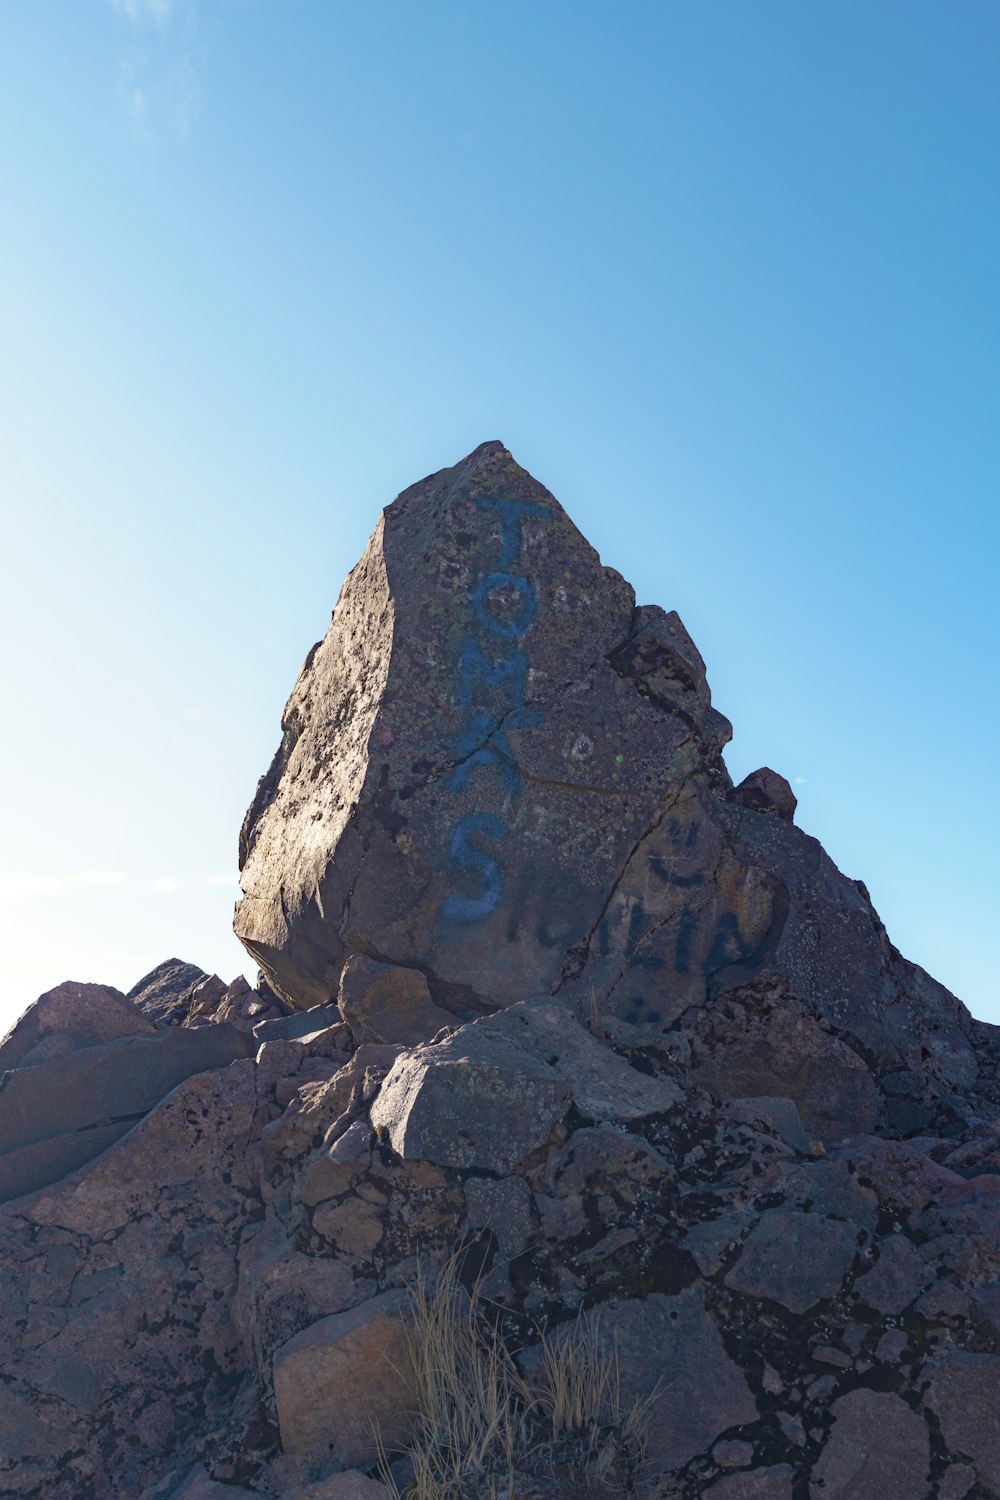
(544, 989)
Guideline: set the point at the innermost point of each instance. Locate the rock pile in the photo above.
(542, 988)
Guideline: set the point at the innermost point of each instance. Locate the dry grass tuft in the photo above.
(485, 1431)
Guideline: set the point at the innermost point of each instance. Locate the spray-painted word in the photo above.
(504, 606)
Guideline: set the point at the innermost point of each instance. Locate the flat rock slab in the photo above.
(774, 1483)
(122, 1079)
(344, 1379)
(490, 1093)
(300, 1027)
(879, 1450)
(668, 1347)
(67, 1018)
(28, 1168)
(795, 1259)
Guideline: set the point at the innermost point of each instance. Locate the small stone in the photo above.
(896, 1279)
(765, 791)
(733, 1454)
(891, 1345)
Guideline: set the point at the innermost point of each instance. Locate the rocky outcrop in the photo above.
(563, 1008)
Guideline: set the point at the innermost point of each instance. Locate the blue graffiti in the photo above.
(477, 862)
(511, 630)
(478, 671)
(482, 743)
(511, 513)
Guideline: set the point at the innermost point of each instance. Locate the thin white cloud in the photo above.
(159, 83)
(24, 885)
(139, 10)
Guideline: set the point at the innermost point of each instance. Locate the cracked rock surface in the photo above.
(544, 991)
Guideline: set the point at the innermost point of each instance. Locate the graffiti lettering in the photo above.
(504, 605)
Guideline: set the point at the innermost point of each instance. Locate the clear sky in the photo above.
(723, 276)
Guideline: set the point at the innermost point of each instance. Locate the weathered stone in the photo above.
(351, 1485)
(118, 1080)
(765, 791)
(779, 1115)
(898, 1277)
(475, 1100)
(671, 1346)
(964, 1395)
(774, 1483)
(345, 1380)
(790, 1055)
(463, 767)
(67, 1018)
(879, 1450)
(794, 1258)
(163, 994)
(386, 1003)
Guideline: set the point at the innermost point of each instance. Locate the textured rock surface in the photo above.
(342, 1384)
(612, 1031)
(67, 1018)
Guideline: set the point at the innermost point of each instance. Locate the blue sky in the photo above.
(722, 276)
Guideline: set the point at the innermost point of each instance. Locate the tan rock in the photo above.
(351, 1485)
(354, 1226)
(344, 1379)
(386, 1003)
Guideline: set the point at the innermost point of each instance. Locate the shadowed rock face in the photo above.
(472, 753)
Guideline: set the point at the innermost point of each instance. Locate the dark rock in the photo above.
(796, 1259)
(765, 791)
(164, 993)
(964, 1395)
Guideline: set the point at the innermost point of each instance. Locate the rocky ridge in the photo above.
(540, 986)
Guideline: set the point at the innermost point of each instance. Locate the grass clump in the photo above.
(486, 1430)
